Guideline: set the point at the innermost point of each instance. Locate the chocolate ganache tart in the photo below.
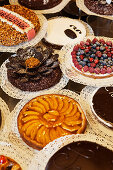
(48, 117)
(102, 105)
(81, 155)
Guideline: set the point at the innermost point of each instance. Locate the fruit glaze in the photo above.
(93, 58)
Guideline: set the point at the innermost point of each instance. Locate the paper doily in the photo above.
(97, 127)
(14, 135)
(20, 156)
(65, 63)
(81, 5)
(33, 42)
(4, 114)
(14, 92)
(55, 9)
(57, 144)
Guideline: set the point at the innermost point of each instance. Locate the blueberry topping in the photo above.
(102, 48)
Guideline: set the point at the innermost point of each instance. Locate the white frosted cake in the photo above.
(62, 31)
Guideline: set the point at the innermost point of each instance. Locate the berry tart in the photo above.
(39, 4)
(100, 6)
(34, 69)
(17, 25)
(81, 155)
(7, 163)
(102, 105)
(48, 117)
(93, 58)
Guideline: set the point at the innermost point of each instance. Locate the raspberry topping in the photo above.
(94, 56)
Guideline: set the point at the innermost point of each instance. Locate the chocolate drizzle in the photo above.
(82, 156)
(71, 34)
(103, 103)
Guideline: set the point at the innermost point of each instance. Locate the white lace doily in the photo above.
(14, 92)
(33, 42)
(55, 9)
(81, 5)
(20, 156)
(57, 144)
(12, 129)
(97, 127)
(4, 114)
(65, 63)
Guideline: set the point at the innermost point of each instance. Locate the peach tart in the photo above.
(48, 117)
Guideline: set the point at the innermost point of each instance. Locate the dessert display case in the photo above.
(51, 84)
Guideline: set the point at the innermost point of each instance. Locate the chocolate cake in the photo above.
(34, 69)
(17, 25)
(102, 104)
(7, 163)
(81, 155)
(99, 6)
(39, 4)
(0, 118)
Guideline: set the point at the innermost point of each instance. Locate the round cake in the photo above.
(62, 31)
(39, 4)
(102, 105)
(82, 155)
(99, 6)
(93, 58)
(17, 25)
(48, 117)
(0, 118)
(8, 163)
(34, 69)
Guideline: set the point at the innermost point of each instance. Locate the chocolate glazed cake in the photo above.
(39, 4)
(99, 6)
(0, 118)
(82, 155)
(103, 103)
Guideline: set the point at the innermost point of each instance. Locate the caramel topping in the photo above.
(31, 62)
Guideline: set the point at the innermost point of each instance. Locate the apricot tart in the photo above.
(93, 58)
(7, 163)
(48, 117)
